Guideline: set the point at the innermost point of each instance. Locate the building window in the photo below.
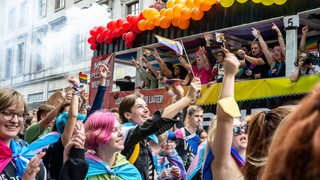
(79, 46)
(133, 8)
(42, 8)
(11, 19)
(59, 4)
(35, 97)
(57, 57)
(9, 60)
(21, 57)
(23, 14)
(38, 52)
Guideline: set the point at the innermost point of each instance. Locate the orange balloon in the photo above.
(184, 23)
(165, 23)
(180, 2)
(190, 4)
(177, 10)
(170, 4)
(196, 14)
(175, 21)
(169, 13)
(156, 20)
(197, 3)
(149, 24)
(141, 25)
(211, 2)
(163, 12)
(205, 7)
(185, 13)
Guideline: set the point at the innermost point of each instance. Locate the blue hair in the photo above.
(62, 119)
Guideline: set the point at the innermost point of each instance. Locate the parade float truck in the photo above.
(186, 21)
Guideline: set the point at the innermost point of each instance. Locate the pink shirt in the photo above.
(203, 74)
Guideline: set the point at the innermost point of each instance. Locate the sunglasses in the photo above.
(237, 129)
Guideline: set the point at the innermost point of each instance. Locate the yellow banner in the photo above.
(260, 89)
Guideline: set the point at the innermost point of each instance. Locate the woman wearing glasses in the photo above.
(17, 161)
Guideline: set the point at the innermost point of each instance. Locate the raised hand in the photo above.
(194, 88)
(255, 33)
(103, 71)
(33, 167)
(175, 171)
(231, 64)
(275, 27)
(305, 29)
(76, 141)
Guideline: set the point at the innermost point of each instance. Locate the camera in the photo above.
(165, 1)
(307, 61)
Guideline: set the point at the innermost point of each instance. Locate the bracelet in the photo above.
(75, 92)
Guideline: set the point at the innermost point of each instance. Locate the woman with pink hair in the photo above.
(104, 139)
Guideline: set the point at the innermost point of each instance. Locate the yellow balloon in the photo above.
(185, 13)
(280, 2)
(267, 2)
(169, 13)
(256, 1)
(226, 3)
(183, 2)
(205, 7)
(152, 13)
(170, 3)
(190, 4)
(145, 12)
(211, 2)
(242, 1)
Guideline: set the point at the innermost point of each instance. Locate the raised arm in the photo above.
(223, 139)
(173, 109)
(280, 40)
(150, 67)
(211, 58)
(163, 67)
(304, 38)
(98, 99)
(205, 60)
(264, 47)
(72, 118)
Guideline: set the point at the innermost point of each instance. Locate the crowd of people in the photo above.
(256, 62)
(73, 140)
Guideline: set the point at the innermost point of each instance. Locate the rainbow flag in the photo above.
(220, 37)
(147, 53)
(83, 78)
(174, 45)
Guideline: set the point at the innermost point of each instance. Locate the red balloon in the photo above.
(126, 26)
(100, 29)
(108, 40)
(112, 25)
(134, 20)
(128, 44)
(100, 38)
(137, 30)
(91, 40)
(93, 47)
(141, 16)
(120, 22)
(130, 36)
(124, 36)
(128, 18)
(105, 32)
(115, 33)
(93, 32)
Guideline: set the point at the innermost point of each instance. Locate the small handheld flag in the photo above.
(83, 78)
(147, 53)
(220, 37)
(174, 45)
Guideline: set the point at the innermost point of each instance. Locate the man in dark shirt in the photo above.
(126, 84)
(257, 63)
